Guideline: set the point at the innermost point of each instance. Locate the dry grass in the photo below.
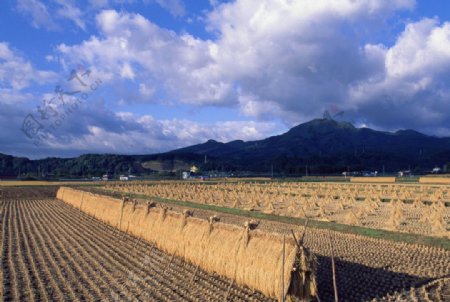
(435, 180)
(251, 258)
(15, 183)
(54, 252)
(416, 209)
(373, 179)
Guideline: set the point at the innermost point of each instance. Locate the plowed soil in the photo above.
(53, 252)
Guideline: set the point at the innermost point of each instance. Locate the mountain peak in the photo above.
(211, 141)
(330, 122)
(321, 126)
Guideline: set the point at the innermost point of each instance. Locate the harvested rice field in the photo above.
(411, 208)
(73, 249)
(52, 252)
(366, 268)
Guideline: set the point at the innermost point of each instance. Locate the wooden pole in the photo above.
(82, 198)
(121, 213)
(333, 268)
(171, 259)
(114, 230)
(123, 236)
(195, 273)
(295, 238)
(299, 243)
(150, 250)
(137, 242)
(317, 290)
(229, 290)
(304, 232)
(282, 268)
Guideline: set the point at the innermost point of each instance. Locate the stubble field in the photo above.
(415, 209)
(52, 252)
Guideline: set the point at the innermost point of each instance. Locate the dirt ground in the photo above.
(36, 192)
(53, 252)
(367, 268)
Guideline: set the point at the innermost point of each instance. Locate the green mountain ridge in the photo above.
(322, 145)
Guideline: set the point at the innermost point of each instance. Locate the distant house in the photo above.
(185, 175)
(436, 170)
(105, 177)
(194, 169)
(123, 177)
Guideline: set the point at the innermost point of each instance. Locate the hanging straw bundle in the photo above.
(249, 257)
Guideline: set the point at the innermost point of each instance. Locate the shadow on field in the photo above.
(30, 192)
(356, 282)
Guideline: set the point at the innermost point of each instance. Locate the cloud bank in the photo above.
(273, 61)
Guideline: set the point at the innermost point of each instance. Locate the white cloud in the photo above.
(283, 59)
(46, 15)
(127, 71)
(270, 59)
(13, 97)
(174, 7)
(145, 134)
(38, 12)
(300, 56)
(424, 47)
(17, 73)
(69, 11)
(414, 86)
(179, 64)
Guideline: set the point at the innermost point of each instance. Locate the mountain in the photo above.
(322, 145)
(327, 146)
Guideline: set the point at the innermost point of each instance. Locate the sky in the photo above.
(141, 77)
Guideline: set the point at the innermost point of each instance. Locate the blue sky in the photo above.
(171, 73)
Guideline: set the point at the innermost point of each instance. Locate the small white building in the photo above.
(436, 170)
(123, 177)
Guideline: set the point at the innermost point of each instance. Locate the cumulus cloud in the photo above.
(38, 12)
(94, 128)
(17, 73)
(70, 11)
(299, 56)
(269, 59)
(180, 64)
(413, 87)
(46, 15)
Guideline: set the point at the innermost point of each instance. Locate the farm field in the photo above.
(411, 208)
(52, 252)
(42, 183)
(366, 268)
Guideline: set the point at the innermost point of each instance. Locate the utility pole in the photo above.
(271, 168)
(383, 170)
(306, 171)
